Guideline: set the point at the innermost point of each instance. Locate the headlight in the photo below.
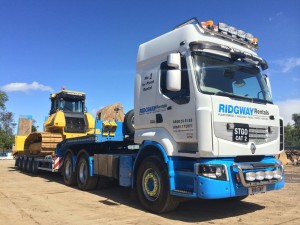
(213, 171)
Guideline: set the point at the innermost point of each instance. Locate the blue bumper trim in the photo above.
(209, 188)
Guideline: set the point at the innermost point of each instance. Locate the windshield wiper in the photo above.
(261, 100)
(256, 100)
(227, 94)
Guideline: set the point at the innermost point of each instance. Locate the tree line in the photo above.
(7, 126)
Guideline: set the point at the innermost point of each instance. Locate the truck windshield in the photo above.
(218, 75)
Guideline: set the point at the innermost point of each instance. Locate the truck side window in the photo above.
(182, 96)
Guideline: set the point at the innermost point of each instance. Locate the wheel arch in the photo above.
(148, 148)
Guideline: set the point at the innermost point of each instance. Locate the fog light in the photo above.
(250, 176)
(260, 175)
(269, 175)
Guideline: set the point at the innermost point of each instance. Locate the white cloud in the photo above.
(290, 64)
(287, 108)
(25, 87)
(279, 14)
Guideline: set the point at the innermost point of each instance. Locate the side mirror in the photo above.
(174, 60)
(266, 78)
(173, 81)
(264, 65)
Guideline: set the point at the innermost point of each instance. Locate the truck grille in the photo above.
(75, 125)
(258, 134)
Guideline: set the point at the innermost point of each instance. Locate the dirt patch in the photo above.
(44, 199)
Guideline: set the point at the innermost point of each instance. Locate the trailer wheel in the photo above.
(33, 167)
(153, 186)
(23, 166)
(129, 122)
(27, 165)
(20, 163)
(17, 165)
(17, 162)
(84, 180)
(69, 175)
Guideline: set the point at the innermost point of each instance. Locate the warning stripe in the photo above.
(58, 161)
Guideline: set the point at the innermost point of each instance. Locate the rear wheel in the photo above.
(69, 175)
(153, 186)
(129, 122)
(84, 180)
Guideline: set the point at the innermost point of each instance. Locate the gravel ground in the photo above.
(44, 199)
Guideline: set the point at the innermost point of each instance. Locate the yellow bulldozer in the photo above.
(67, 119)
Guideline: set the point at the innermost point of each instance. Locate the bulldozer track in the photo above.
(41, 143)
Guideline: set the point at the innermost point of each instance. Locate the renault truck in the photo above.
(204, 124)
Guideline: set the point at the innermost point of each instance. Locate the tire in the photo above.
(23, 164)
(84, 180)
(17, 162)
(153, 186)
(20, 163)
(69, 175)
(17, 165)
(27, 165)
(129, 123)
(33, 167)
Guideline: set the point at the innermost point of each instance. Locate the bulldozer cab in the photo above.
(68, 102)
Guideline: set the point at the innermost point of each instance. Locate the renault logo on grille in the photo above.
(253, 148)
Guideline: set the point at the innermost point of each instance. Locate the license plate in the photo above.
(257, 190)
(240, 133)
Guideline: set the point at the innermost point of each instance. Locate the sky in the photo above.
(91, 46)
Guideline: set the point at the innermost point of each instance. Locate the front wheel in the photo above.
(84, 180)
(153, 186)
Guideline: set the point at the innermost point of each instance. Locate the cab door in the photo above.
(175, 110)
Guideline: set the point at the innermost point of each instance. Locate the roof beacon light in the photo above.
(209, 24)
(255, 41)
(223, 27)
(241, 34)
(232, 31)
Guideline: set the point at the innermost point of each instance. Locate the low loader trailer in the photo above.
(204, 125)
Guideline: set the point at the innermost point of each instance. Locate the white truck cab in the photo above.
(199, 92)
(202, 100)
